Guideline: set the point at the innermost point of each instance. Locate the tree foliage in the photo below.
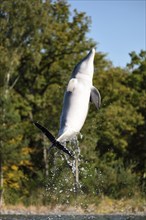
(40, 44)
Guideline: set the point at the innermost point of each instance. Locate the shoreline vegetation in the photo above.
(106, 206)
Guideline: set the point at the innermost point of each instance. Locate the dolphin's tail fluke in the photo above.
(52, 139)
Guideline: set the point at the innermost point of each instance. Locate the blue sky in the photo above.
(118, 26)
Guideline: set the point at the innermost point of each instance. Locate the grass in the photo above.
(104, 206)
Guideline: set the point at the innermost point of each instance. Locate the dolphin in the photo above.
(79, 92)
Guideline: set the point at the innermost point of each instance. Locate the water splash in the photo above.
(64, 191)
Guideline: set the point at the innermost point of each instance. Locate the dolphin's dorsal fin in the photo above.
(95, 97)
(71, 85)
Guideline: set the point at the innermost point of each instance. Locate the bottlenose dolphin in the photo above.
(79, 93)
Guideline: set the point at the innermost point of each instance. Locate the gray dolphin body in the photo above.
(76, 99)
(78, 94)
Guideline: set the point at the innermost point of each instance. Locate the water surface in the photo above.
(72, 217)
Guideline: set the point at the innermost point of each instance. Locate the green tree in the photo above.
(118, 117)
(40, 44)
(38, 57)
(137, 81)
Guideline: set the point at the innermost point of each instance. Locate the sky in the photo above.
(118, 26)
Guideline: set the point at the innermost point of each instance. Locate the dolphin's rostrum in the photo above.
(79, 93)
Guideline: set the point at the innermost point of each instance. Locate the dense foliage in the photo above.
(40, 44)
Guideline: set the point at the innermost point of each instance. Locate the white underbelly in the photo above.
(75, 110)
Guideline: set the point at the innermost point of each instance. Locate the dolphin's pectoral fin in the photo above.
(95, 97)
(52, 139)
(71, 85)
